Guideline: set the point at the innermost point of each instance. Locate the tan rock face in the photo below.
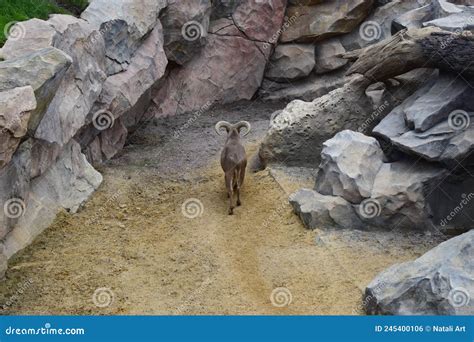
(15, 107)
(318, 22)
(28, 36)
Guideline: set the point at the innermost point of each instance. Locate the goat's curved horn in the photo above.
(221, 124)
(245, 124)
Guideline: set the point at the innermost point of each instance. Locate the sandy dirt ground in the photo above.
(134, 249)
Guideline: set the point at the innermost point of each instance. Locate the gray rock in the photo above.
(15, 108)
(350, 162)
(447, 94)
(185, 28)
(440, 282)
(378, 26)
(43, 70)
(435, 123)
(140, 15)
(318, 211)
(414, 18)
(399, 195)
(119, 45)
(27, 37)
(308, 89)
(327, 56)
(290, 62)
(65, 186)
(296, 135)
(321, 21)
(455, 22)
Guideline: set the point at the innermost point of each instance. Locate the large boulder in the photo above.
(257, 20)
(435, 123)
(185, 26)
(15, 108)
(440, 282)
(319, 211)
(80, 86)
(325, 20)
(28, 36)
(349, 163)
(42, 70)
(229, 67)
(141, 16)
(327, 56)
(122, 91)
(124, 24)
(400, 195)
(64, 186)
(290, 62)
(296, 134)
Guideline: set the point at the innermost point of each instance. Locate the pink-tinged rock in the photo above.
(28, 36)
(123, 90)
(260, 20)
(15, 107)
(107, 144)
(227, 69)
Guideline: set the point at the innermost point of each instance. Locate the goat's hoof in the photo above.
(239, 203)
(231, 211)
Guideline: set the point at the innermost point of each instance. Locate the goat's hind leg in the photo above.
(230, 190)
(240, 182)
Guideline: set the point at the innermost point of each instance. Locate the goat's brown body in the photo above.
(234, 163)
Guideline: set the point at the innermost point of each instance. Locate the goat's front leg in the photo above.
(230, 190)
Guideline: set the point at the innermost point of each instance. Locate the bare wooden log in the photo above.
(416, 48)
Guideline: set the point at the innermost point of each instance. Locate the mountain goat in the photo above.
(233, 159)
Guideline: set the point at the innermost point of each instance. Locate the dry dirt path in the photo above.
(133, 246)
